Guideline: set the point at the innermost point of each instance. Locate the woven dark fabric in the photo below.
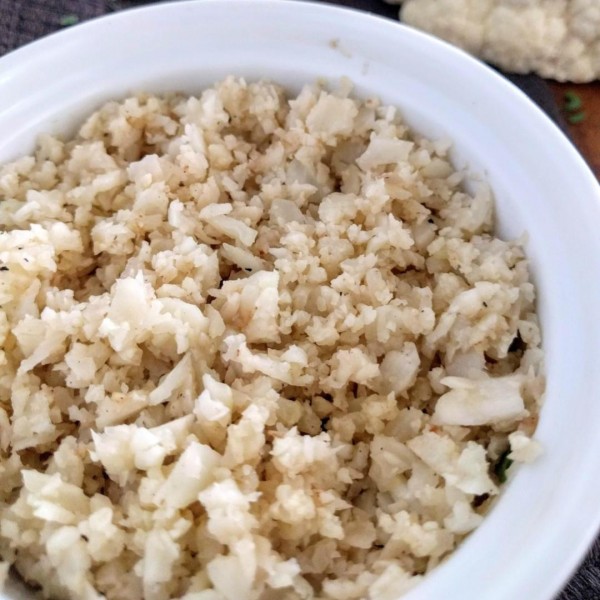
(22, 21)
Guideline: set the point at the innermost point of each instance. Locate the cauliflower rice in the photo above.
(253, 347)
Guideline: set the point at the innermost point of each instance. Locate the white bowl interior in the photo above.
(547, 516)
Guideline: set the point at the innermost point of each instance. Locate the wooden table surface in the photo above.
(585, 135)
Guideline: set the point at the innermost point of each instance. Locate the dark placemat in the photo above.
(22, 21)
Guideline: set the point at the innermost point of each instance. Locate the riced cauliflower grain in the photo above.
(4, 566)
(253, 347)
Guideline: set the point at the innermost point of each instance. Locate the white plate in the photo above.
(530, 543)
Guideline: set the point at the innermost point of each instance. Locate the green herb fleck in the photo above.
(69, 20)
(576, 118)
(573, 102)
(517, 344)
(479, 500)
(502, 466)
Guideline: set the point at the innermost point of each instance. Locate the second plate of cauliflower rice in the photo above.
(254, 347)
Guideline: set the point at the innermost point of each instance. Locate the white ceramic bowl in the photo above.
(534, 537)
